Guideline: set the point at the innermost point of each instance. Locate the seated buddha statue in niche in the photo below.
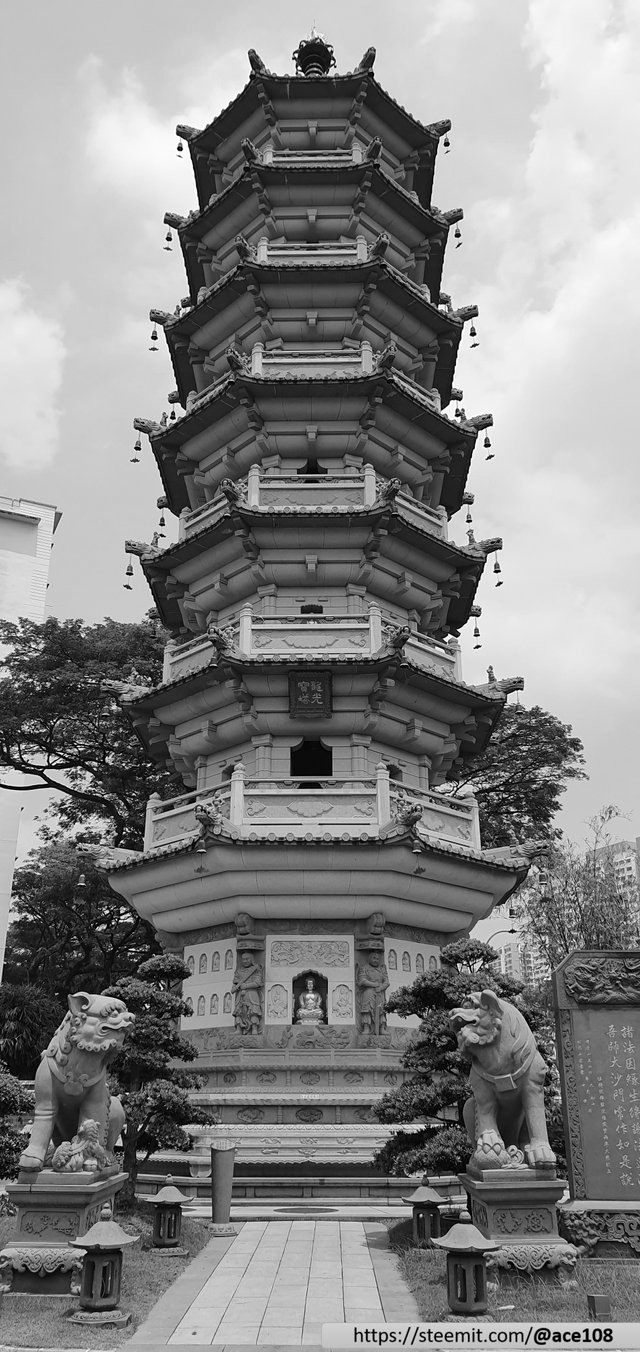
(309, 1008)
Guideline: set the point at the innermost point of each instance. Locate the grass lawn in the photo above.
(27, 1321)
(424, 1271)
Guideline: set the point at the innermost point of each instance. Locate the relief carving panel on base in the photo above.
(291, 952)
(603, 980)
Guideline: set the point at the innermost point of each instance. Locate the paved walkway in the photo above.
(276, 1284)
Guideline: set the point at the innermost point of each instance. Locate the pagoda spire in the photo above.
(314, 55)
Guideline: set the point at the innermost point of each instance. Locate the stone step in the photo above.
(360, 1190)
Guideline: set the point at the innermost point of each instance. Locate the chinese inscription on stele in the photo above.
(598, 1026)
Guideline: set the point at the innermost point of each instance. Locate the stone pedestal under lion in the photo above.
(511, 1179)
(68, 1171)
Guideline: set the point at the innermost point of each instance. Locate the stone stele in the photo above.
(597, 1006)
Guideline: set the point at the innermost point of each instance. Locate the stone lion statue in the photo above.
(71, 1080)
(505, 1118)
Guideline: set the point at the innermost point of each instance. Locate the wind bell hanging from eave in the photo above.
(475, 614)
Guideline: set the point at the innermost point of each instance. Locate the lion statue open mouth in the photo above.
(71, 1080)
(505, 1118)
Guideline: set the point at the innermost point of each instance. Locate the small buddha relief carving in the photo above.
(310, 1005)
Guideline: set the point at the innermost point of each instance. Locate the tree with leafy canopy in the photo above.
(15, 1104)
(154, 1092)
(29, 1016)
(64, 937)
(520, 776)
(573, 898)
(439, 1085)
(60, 731)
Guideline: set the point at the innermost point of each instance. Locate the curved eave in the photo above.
(272, 879)
(427, 222)
(516, 865)
(232, 286)
(225, 395)
(158, 567)
(468, 560)
(404, 669)
(247, 104)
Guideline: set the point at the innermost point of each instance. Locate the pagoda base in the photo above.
(52, 1210)
(286, 1144)
(516, 1208)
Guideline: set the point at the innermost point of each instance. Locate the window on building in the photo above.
(228, 960)
(392, 962)
(215, 962)
(394, 772)
(191, 964)
(406, 962)
(213, 1004)
(310, 609)
(189, 1004)
(419, 965)
(311, 466)
(201, 1004)
(311, 758)
(202, 965)
(226, 1004)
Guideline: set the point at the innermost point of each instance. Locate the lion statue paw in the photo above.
(539, 1153)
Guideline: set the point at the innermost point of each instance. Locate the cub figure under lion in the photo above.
(71, 1080)
(505, 1118)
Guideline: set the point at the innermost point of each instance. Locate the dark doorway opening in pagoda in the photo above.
(308, 759)
(312, 467)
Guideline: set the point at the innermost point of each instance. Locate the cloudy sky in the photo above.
(545, 104)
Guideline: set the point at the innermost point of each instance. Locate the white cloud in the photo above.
(560, 331)
(32, 353)
(131, 143)
(446, 16)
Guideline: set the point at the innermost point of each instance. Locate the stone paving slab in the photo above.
(276, 1285)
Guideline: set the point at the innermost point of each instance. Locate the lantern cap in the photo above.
(105, 1234)
(426, 1196)
(463, 1238)
(169, 1195)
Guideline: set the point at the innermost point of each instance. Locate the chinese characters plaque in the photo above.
(310, 694)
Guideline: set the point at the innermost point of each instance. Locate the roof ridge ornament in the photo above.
(314, 55)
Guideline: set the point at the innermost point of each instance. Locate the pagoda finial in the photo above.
(314, 55)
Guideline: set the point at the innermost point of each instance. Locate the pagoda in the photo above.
(312, 699)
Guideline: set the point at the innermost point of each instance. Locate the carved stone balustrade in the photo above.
(312, 361)
(327, 158)
(302, 252)
(336, 492)
(171, 820)
(305, 807)
(444, 818)
(312, 636)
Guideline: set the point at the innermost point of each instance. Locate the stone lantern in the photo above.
(426, 1216)
(101, 1275)
(167, 1222)
(466, 1268)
